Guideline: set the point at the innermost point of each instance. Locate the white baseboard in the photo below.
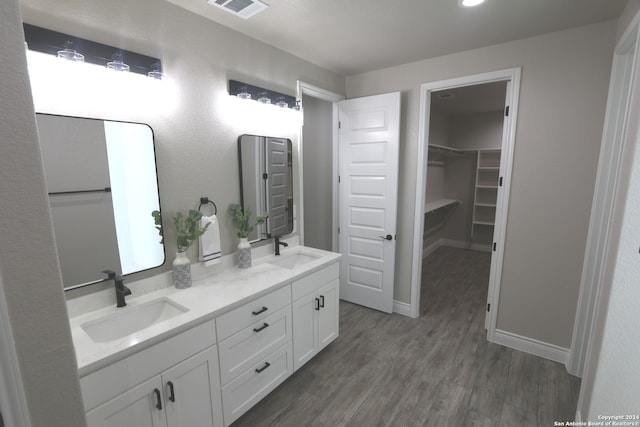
(402, 308)
(532, 346)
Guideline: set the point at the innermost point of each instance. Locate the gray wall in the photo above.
(611, 379)
(317, 157)
(563, 93)
(196, 131)
(30, 280)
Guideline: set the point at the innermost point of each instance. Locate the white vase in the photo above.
(244, 253)
(181, 271)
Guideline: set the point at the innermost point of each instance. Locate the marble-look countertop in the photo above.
(210, 296)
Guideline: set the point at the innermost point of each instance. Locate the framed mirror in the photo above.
(266, 183)
(102, 184)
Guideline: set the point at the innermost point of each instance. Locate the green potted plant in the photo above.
(242, 220)
(187, 232)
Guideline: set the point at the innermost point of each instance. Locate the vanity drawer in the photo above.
(314, 281)
(252, 312)
(256, 382)
(244, 349)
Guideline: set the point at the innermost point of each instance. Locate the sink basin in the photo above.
(293, 260)
(130, 320)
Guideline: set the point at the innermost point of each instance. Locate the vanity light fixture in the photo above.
(262, 95)
(74, 48)
(118, 64)
(470, 3)
(282, 103)
(264, 99)
(244, 94)
(69, 53)
(156, 72)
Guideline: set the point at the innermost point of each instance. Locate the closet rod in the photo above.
(101, 190)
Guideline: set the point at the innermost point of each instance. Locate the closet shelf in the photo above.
(436, 147)
(439, 204)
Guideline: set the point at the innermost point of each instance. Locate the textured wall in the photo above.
(30, 281)
(196, 124)
(565, 77)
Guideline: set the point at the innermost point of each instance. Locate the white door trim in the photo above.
(623, 76)
(325, 95)
(513, 75)
(13, 402)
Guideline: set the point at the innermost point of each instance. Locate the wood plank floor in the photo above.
(437, 370)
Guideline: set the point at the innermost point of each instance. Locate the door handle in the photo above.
(387, 237)
(158, 399)
(172, 394)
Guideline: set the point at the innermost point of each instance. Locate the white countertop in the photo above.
(210, 296)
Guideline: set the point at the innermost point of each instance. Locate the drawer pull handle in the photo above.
(262, 310)
(158, 399)
(172, 395)
(266, 365)
(321, 301)
(264, 326)
(317, 304)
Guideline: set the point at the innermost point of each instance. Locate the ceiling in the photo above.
(355, 36)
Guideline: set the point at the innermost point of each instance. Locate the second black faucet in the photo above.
(277, 243)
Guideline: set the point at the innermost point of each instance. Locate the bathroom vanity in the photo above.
(205, 355)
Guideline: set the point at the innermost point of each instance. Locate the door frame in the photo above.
(308, 89)
(13, 403)
(600, 242)
(506, 164)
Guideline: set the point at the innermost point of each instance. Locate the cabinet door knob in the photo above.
(321, 301)
(172, 395)
(158, 399)
(317, 304)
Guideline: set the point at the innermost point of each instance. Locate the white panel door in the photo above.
(328, 317)
(277, 191)
(142, 406)
(369, 139)
(192, 391)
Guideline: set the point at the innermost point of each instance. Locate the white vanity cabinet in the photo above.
(315, 313)
(206, 371)
(159, 386)
(255, 357)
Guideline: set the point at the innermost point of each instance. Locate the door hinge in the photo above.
(265, 176)
(339, 125)
(506, 111)
(494, 246)
(488, 307)
(500, 182)
(338, 179)
(338, 230)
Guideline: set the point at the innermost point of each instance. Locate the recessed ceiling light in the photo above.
(470, 3)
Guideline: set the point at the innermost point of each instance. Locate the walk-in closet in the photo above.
(463, 178)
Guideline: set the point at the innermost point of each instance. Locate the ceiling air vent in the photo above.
(242, 8)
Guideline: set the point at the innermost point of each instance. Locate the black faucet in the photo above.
(278, 243)
(121, 290)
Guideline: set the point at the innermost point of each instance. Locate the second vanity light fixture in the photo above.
(264, 96)
(77, 49)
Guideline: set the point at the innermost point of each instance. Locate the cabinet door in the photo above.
(192, 391)
(305, 331)
(141, 406)
(328, 314)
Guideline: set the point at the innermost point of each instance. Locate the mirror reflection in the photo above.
(266, 183)
(102, 185)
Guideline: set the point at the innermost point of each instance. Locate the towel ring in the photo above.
(206, 201)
